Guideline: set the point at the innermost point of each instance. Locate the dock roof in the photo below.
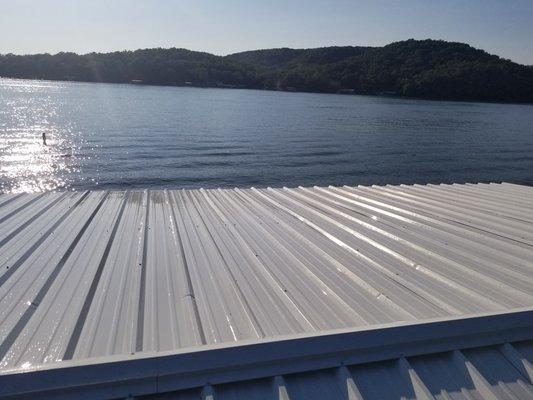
(95, 277)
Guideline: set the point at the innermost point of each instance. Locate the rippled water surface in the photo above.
(126, 136)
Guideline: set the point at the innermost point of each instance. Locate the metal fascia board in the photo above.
(151, 373)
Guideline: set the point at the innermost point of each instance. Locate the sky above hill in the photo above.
(222, 27)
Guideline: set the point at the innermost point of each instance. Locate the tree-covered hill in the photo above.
(151, 66)
(412, 68)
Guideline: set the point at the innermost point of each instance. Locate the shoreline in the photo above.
(379, 95)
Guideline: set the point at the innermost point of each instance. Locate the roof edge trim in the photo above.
(113, 377)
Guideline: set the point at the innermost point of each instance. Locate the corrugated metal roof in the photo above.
(94, 274)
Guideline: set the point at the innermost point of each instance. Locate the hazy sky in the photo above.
(503, 27)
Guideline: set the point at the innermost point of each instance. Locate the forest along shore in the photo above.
(430, 69)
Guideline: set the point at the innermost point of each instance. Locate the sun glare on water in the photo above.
(29, 166)
(26, 163)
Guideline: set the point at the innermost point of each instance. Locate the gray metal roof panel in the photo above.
(477, 373)
(94, 274)
(487, 353)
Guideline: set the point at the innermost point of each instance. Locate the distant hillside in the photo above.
(151, 66)
(413, 68)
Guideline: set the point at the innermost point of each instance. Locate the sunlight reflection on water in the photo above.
(106, 136)
(26, 164)
(30, 165)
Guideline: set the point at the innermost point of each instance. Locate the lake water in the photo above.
(103, 136)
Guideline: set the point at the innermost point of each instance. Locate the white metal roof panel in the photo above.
(94, 274)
